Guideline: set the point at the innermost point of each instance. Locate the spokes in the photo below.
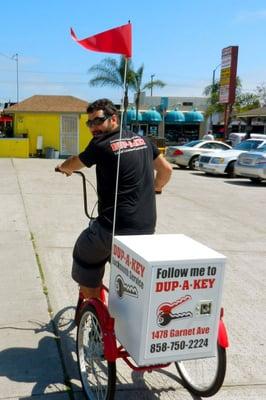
(204, 377)
(93, 366)
(201, 373)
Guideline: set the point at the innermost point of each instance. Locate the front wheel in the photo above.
(203, 377)
(230, 170)
(98, 376)
(193, 162)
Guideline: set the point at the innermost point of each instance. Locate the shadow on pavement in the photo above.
(36, 365)
(246, 183)
(43, 365)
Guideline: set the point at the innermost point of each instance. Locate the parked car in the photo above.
(224, 162)
(252, 165)
(187, 154)
(237, 137)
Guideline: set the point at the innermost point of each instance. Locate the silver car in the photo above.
(187, 155)
(224, 162)
(252, 165)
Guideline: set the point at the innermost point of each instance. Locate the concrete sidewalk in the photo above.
(41, 214)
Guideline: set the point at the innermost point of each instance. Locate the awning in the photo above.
(5, 119)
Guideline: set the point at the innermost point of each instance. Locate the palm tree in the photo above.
(212, 91)
(110, 72)
(137, 85)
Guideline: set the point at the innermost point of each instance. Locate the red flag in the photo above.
(117, 40)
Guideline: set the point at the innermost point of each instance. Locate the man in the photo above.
(208, 136)
(135, 211)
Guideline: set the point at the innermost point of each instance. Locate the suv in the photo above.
(223, 162)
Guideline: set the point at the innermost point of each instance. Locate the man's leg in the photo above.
(90, 254)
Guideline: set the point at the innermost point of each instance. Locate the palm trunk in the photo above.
(125, 107)
(137, 110)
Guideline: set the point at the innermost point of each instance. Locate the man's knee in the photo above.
(90, 276)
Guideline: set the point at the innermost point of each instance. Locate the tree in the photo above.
(213, 105)
(243, 101)
(139, 87)
(246, 101)
(261, 92)
(110, 72)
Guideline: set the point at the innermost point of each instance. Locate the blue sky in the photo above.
(178, 41)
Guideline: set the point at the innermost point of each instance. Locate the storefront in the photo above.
(170, 127)
(146, 123)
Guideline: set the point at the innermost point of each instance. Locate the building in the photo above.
(256, 119)
(171, 120)
(48, 124)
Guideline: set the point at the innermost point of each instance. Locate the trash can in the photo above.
(49, 152)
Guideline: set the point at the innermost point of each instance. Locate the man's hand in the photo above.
(65, 171)
(73, 163)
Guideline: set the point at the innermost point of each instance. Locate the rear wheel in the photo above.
(203, 377)
(192, 162)
(98, 376)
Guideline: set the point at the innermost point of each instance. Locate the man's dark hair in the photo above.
(106, 105)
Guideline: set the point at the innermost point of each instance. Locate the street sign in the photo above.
(228, 75)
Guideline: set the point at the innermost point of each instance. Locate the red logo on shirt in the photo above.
(128, 144)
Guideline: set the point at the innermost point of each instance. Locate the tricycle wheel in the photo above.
(203, 377)
(98, 376)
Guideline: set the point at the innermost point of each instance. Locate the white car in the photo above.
(187, 155)
(252, 165)
(224, 162)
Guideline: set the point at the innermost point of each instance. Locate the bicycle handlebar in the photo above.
(84, 192)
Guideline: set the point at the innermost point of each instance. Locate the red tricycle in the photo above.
(98, 348)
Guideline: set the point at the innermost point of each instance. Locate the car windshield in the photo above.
(192, 143)
(248, 145)
(262, 149)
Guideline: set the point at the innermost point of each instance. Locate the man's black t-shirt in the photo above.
(136, 210)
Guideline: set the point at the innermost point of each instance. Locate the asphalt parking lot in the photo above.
(42, 214)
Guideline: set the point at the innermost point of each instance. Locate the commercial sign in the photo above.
(165, 296)
(228, 75)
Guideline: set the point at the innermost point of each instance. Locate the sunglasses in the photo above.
(96, 121)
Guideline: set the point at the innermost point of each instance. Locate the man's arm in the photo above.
(73, 163)
(163, 172)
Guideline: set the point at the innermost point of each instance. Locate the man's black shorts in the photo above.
(91, 252)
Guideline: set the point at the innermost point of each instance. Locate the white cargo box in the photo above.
(165, 296)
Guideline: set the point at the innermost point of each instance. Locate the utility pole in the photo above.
(212, 90)
(152, 76)
(14, 58)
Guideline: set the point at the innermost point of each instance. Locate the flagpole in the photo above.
(119, 150)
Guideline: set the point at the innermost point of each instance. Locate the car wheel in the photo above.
(192, 162)
(255, 180)
(230, 170)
